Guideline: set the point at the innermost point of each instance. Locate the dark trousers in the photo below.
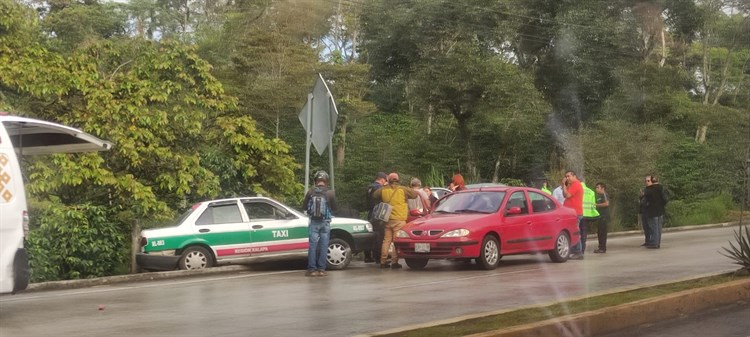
(378, 231)
(646, 228)
(601, 232)
(580, 247)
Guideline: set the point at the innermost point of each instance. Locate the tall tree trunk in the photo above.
(278, 122)
(496, 173)
(430, 114)
(663, 49)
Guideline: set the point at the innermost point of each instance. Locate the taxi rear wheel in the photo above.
(489, 255)
(339, 254)
(194, 258)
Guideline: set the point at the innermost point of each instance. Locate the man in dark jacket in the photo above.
(377, 226)
(654, 201)
(319, 203)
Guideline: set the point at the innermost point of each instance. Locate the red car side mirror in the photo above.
(513, 210)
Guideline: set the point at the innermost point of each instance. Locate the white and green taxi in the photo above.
(241, 230)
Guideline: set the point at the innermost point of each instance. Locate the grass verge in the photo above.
(531, 315)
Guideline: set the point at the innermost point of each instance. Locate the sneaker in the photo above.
(384, 266)
(311, 273)
(396, 266)
(322, 273)
(600, 251)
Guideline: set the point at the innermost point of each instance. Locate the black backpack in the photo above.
(317, 207)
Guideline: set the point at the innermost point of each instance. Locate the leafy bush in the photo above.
(741, 252)
(697, 212)
(74, 242)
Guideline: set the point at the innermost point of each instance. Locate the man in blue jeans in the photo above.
(320, 202)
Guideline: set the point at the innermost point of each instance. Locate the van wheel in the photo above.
(489, 255)
(339, 254)
(195, 258)
(20, 270)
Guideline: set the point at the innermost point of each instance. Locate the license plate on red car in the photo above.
(421, 247)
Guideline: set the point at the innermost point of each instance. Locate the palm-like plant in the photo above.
(741, 252)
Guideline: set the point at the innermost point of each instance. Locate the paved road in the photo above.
(360, 300)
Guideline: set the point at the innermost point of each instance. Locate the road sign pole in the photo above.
(308, 134)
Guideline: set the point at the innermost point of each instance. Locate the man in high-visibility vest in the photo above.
(590, 214)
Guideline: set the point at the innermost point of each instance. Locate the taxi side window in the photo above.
(220, 214)
(518, 199)
(540, 202)
(262, 211)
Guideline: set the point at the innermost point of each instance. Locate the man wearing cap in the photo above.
(395, 195)
(377, 226)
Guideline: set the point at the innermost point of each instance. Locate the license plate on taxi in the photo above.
(421, 247)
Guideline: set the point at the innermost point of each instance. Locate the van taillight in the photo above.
(25, 216)
(144, 241)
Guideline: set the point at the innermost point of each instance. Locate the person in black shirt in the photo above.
(655, 199)
(602, 206)
(377, 227)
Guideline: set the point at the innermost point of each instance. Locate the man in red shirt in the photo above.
(573, 192)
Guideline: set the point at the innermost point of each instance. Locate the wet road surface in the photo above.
(280, 301)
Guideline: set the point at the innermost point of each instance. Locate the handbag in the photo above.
(382, 211)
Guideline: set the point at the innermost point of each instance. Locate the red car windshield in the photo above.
(471, 202)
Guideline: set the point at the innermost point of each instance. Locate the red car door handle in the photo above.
(528, 222)
(557, 220)
(204, 230)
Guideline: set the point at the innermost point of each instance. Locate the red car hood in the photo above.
(448, 221)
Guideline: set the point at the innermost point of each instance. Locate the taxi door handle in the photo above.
(257, 226)
(204, 230)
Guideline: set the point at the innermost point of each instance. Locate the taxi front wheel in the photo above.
(339, 254)
(194, 258)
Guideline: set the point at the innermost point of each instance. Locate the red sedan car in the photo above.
(488, 222)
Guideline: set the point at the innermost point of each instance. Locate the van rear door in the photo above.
(27, 136)
(33, 137)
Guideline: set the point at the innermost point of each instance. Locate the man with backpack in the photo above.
(319, 203)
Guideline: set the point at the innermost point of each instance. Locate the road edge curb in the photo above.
(119, 279)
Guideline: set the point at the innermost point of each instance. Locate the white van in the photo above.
(25, 136)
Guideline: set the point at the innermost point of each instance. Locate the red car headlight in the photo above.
(456, 233)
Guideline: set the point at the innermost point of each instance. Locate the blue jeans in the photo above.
(319, 233)
(654, 227)
(580, 247)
